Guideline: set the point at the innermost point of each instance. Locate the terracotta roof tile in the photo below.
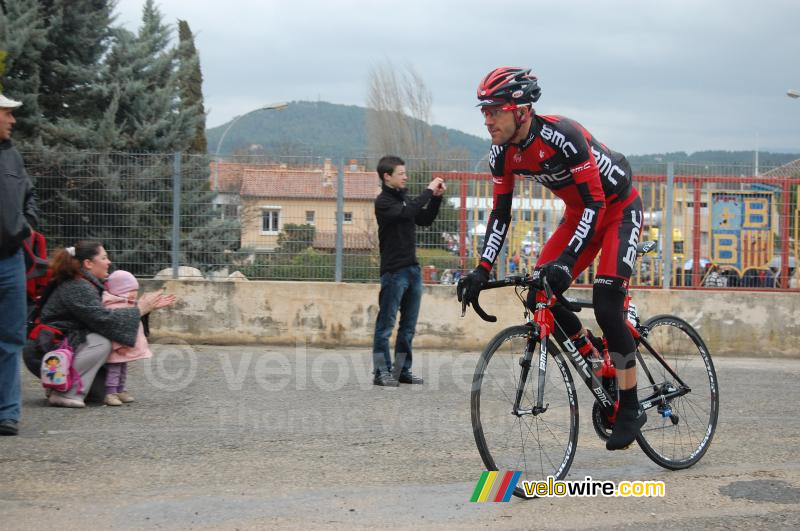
(307, 184)
(791, 169)
(229, 177)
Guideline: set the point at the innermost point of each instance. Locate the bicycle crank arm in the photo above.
(661, 399)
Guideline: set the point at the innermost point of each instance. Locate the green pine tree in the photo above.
(72, 98)
(191, 85)
(143, 71)
(23, 37)
(150, 113)
(3, 55)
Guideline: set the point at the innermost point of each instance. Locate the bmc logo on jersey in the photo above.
(581, 167)
(548, 178)
(607, 169)
(630, 253)
(584, 226)
(494, 242)
(551, 135)
(495, 151)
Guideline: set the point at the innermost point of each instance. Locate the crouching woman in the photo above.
(74, 308)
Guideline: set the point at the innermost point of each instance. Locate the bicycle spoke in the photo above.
(679, 439)
(540, 444)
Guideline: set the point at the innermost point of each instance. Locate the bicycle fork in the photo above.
(541, 325)
(525, 362)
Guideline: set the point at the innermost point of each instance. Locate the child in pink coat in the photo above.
(121, 291)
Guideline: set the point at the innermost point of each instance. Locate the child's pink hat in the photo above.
(121, 282)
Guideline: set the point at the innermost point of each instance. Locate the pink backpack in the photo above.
(58, 371)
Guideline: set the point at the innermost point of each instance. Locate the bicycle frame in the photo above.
(544, 325)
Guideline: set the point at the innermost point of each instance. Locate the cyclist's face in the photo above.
(500, 124)
(397, 179)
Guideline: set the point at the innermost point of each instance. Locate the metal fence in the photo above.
(305, 218)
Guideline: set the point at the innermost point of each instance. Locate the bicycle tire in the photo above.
(501, 436)
(680, 432)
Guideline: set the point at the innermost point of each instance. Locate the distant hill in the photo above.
(718, 162)
(320, 129)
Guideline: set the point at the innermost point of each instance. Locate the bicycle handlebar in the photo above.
(518, 280)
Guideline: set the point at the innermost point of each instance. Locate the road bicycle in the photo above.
(525, 414)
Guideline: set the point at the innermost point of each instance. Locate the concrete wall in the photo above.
(331, 314)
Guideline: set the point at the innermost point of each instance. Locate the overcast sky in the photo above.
(644, 76)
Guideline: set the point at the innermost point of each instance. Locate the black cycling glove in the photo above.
(558, 275)
(469, 286)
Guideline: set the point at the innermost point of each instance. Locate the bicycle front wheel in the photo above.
(538, 444)
(680, 427)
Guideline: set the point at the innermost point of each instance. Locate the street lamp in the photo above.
(271, 107)
(793, 93)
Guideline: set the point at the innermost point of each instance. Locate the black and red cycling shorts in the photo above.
(617, 236)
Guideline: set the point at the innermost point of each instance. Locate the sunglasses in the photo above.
(494, 112)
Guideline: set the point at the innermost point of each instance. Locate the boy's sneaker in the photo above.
(9, 427)
(112, 400)
(125, 398)
(408, 378)
(384, 379)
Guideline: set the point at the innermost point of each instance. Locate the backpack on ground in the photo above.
(58, 370)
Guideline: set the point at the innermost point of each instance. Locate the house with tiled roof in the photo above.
(272, 197)
(225, 179)
(790, 169)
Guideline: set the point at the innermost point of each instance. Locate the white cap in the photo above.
(7, 103)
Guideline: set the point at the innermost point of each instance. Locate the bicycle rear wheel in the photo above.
(539, 445)
(680, 428)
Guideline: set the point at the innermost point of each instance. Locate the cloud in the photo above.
(644, 76)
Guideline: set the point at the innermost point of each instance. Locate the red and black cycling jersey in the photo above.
(564, 157)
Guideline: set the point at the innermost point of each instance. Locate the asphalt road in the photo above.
(254, 438)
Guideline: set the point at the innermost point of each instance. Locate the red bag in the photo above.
(36, 265)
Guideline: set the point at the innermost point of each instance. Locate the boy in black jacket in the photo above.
(401, 280)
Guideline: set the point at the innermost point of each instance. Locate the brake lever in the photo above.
(477, 307)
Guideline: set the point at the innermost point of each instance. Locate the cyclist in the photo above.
(603, 211)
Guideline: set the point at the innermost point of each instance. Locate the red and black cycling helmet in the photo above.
(508, 85)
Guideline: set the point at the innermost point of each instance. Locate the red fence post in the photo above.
(696, 235)
(462, 223)
(786, 196)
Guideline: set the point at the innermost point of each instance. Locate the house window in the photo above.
(310, 217)
(231, 211)
(270, 221)
(348, 217)
(526, 215)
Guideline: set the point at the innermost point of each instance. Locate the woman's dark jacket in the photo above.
(76, 308)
